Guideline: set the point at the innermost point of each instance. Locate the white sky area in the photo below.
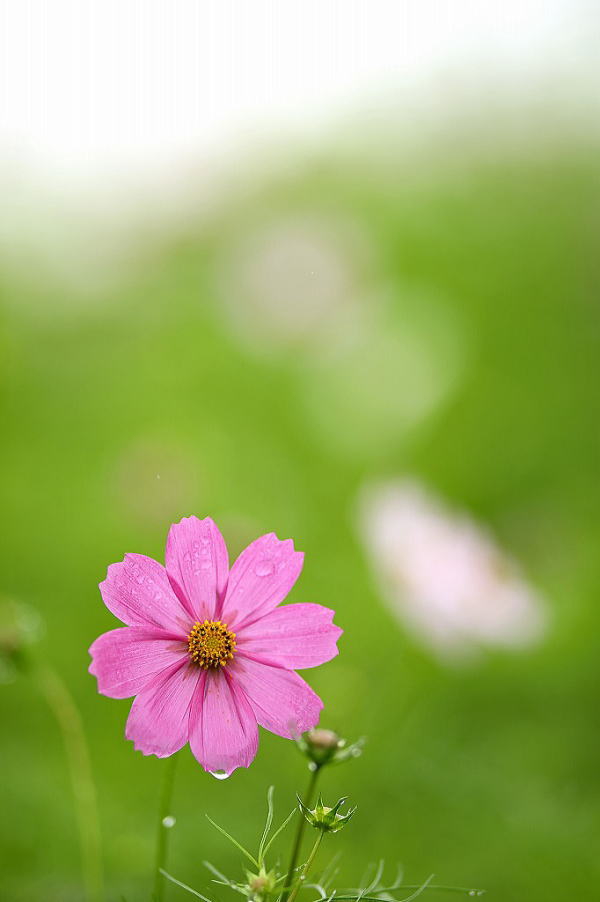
(133, 87)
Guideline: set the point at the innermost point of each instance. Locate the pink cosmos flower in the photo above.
(207, 652)
(444, 575)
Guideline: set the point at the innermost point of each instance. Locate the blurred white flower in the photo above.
(443, 575)
(294, 281)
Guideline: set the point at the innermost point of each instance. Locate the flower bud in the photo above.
(323, 739)
(323, 746)
(326, 819)
(261, 884)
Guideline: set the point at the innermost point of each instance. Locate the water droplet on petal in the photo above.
(264, 567)
(219, 774)
(168, 821)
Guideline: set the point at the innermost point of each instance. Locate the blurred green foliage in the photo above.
(126, 412)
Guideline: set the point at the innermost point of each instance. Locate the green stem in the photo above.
(307, 866)
(69, 721)
(467, 891)
(162, 831)
(314, 774)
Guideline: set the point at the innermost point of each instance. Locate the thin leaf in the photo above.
(317, 886)
(234, 841)
(365, 875)
(420, 890)
(374, 882)
(184, 886)
(268, 825)
(330, 870)
(466, 890)
(278, 831)
(379, 874)
(224, 881)
(397, 882)
(217, 873)
(330, 880)
(324, 897)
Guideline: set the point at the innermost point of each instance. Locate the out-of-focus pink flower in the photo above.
(207, 651)
(443, 575)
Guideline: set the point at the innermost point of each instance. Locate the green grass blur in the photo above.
(122, 413)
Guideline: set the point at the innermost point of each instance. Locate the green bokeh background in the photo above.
(122, 413)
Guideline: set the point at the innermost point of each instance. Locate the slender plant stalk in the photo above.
(307, 866)
(162, 831)
(310, 790)
(67, 716)
(464, 890)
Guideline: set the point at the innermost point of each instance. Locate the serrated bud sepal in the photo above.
(260, 885)
(321, 817)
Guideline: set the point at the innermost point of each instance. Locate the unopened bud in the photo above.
(326, 819)
(323, 739)
(261, 884)
(323, 746)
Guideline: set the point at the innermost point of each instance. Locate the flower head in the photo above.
(260, 885)
(207, 651)
(444, 575)
(322, 747)
(326, 819)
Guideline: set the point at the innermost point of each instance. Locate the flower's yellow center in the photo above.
(211, 644)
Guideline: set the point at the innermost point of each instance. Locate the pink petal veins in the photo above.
(125, 660)
(158, 722)
(224, 733)
(260, 579)
(282, 702)
(295, 636)
(197, 566)
(138, 592)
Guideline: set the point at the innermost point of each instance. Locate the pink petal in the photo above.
(223, 734)
(198, 565)
(126, 659)
(260, 579)
(295, 636)
(282, 702)
(158, 722)
(138, 592)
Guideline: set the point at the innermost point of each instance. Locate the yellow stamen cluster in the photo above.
(211, 644)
